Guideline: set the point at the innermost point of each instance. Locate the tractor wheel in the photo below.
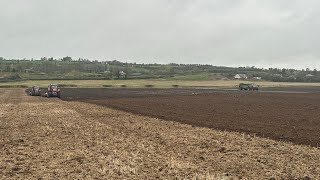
(58, 95)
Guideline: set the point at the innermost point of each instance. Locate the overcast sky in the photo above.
(263, 33)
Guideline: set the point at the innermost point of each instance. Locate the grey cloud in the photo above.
(219, 32)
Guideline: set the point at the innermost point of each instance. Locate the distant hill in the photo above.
(67, 68)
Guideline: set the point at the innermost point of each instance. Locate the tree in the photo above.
(67, 59)
(44, 59)
(8, 68)
(315, 72)
(115, 72)
(19, 68)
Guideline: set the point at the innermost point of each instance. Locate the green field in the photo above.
(145, 83)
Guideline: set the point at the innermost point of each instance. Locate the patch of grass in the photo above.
(13, 86)
(149, 85)
(158, 83)
(198, 77)
(123, 85)
(107, 85)
(68, 85)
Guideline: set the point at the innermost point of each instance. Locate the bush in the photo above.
(13, 77)
(123, 85)
(149, 85)
(107, 85)
(175, 86)
(68, 85)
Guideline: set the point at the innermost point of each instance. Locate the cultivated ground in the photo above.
(285, 114)
(45, 138)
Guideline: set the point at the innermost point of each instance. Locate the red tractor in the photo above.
(53, 91)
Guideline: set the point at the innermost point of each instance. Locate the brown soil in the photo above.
(73, 94)
(44, 138)
(112, 93)
(282, 116)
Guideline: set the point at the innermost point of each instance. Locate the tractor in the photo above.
(248, 87)
(53, 91)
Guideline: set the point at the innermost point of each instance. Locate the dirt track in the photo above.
(281, 116)
(85, 141)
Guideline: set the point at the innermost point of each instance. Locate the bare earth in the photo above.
(54, 139)
(285, 114)
(279, 116)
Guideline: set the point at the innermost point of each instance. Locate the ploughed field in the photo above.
(284, 114)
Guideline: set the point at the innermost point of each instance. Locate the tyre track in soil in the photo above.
(85, 141)
(11, 96)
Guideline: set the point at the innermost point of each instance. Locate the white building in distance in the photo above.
(241, 76)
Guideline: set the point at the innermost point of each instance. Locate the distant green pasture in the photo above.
(149, 83)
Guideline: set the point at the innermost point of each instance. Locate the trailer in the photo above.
(35, 91)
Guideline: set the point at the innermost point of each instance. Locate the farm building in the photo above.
(241, 76)
(122, 73)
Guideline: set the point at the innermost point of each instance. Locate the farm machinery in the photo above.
(248, 87)
(35, 91)
(53, 91)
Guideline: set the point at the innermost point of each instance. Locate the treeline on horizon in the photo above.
(74, 69)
